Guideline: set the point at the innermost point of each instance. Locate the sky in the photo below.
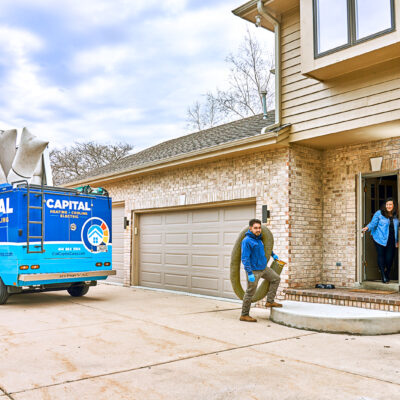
(113, 70)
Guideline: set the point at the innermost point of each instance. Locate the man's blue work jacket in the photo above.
(253, 253)
(379, 228)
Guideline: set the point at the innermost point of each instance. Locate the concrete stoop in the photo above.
(336, 319)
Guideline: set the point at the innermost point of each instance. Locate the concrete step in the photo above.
(336, 319)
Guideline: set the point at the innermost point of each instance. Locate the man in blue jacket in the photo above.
(255, 264)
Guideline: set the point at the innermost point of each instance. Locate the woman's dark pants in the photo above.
(385, 259)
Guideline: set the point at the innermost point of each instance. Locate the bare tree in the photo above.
(204, 115)
(70, 163)
(250, 73)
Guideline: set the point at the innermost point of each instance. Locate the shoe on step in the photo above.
(247, 318)
(273, 304)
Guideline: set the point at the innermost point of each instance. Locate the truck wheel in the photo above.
(78, 290)
(3, 293)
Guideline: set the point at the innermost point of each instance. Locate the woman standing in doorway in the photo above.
(384, 228)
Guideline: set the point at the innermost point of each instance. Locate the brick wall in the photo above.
(305, 222)
(340, 167)
(262, 175)
(311, 195)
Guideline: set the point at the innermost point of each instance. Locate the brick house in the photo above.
(313, 162)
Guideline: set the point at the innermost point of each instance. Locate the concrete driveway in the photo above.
(128, 343)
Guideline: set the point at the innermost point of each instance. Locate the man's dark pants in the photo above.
(268, 274)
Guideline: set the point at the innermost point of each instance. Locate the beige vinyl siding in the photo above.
(359, 99)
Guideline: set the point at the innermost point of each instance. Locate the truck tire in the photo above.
(268, 241)
(78, 290)
(3, 293)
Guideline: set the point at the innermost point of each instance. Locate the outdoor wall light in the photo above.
(258, 21)
(265, 214)
(376, 163)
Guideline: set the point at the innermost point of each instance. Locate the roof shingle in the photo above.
(243, 128)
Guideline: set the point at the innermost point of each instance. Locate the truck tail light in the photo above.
(99, 264)
(107, 264)
(35, 266)
(23, 267)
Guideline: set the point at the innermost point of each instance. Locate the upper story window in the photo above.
(342, 23)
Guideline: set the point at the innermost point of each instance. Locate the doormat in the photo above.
(374, 291)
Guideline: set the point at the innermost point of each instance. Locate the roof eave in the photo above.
(248, 11)
(262, 140)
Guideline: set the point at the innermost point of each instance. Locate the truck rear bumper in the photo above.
(64, 275)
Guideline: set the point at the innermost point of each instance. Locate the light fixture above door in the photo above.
(376, 163)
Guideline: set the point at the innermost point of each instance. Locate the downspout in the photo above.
(275, 21)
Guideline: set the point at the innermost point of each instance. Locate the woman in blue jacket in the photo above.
(384, 228)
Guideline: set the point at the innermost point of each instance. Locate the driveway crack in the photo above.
(161, 363)
(6, 393)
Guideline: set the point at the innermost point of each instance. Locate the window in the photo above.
(343, 23)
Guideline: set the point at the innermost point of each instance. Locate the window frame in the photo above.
(351, 28)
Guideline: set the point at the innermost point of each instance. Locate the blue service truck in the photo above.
(53, 239)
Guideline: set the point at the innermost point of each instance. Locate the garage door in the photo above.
(190, 250)
(118, 213)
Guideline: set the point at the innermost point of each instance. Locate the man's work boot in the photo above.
(273, 304)
(247, 318)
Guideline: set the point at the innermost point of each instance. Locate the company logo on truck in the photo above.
(5, 206)
(95, 235)
(68, 205)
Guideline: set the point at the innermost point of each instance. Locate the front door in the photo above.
(376, 190)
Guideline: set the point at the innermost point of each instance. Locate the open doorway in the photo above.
(376, 190)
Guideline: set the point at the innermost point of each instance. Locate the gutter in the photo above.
(274, 19)
(264, 139)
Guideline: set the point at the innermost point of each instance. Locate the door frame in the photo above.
(360, 199)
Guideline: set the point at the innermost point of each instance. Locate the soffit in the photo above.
(248, 11)
(354, 136)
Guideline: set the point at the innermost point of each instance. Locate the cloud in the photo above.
(111, 70)
(105, 59)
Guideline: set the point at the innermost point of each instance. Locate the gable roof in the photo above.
(208, 138)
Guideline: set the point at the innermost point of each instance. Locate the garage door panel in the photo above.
(151, 239)
(176, 259)
(227, 261)
(176, 218)
(202, 282)
(176, 280)
(151, 277)
(204, 216)
(205, 261)
(205, 238)
(228, 292)
(192, 250)
(151, 219)
(237, 213)
(176, 238)
(151, 258)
